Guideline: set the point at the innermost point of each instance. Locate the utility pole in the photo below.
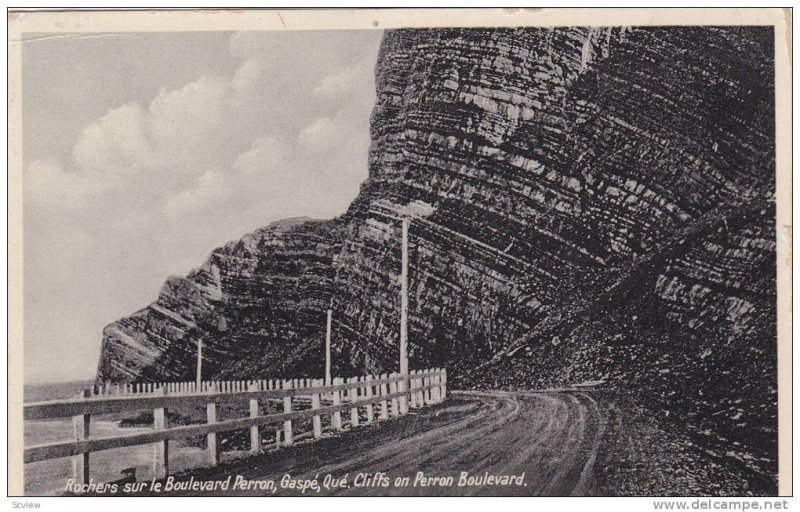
(199, 364)
(404, 304)
(404, 320)
(328, 350)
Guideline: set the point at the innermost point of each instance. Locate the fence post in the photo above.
(160, 448)
(353, 392)
(393, 390)
(211, 437)
(255, 434)
(435, 383)
(441, 384)
(421, 389)
(444, 384)
(383, 390)
(288, 439)
(403, 388)
(368, 395)
(81, 429)
(412, 385)
(426, 382)
(431, 391)
(424, 392)
(336, 418)
(317, 420)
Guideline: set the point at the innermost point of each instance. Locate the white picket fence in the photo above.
(225, 386)
(176, 388)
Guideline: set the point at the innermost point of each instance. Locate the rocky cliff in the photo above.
(588, 207)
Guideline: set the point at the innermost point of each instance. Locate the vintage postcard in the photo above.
(496, 252)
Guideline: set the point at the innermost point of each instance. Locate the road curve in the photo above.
(553, 438)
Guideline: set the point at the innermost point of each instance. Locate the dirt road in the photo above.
(553, 438)
(564, 443)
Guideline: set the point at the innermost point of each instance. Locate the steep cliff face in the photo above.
(587, 205)
(255, 302)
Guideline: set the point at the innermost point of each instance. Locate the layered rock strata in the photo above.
(588, 207)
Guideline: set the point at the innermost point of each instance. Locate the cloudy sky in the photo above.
(143, 152)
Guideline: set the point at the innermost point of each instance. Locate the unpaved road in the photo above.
(553, 438)
(566, 443)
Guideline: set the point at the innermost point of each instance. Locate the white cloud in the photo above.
(258, 175)
(219, 139)
(321, 135)
(155, 183)
(46, 183)
(209, 190)
(187, 116)
(174, 134)
(247, 76)
(265, 153)
(336, 85)
(117, 142)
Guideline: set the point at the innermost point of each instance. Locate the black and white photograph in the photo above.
(276, 254)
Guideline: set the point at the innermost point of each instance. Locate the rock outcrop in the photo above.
(589, 207)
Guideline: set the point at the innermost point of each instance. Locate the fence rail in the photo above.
(382, 395)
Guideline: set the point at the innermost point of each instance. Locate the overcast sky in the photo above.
(143, 152)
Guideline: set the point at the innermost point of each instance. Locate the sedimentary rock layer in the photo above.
(588, 206)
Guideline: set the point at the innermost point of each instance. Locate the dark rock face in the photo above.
(588, 206)
(282, 273)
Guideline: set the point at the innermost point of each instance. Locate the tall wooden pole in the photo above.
(199, 364)
(328, 350)
(404, 304)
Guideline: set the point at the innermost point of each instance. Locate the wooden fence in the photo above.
(144, 388)
(365, 398)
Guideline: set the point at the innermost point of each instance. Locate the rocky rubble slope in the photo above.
(589, 207)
